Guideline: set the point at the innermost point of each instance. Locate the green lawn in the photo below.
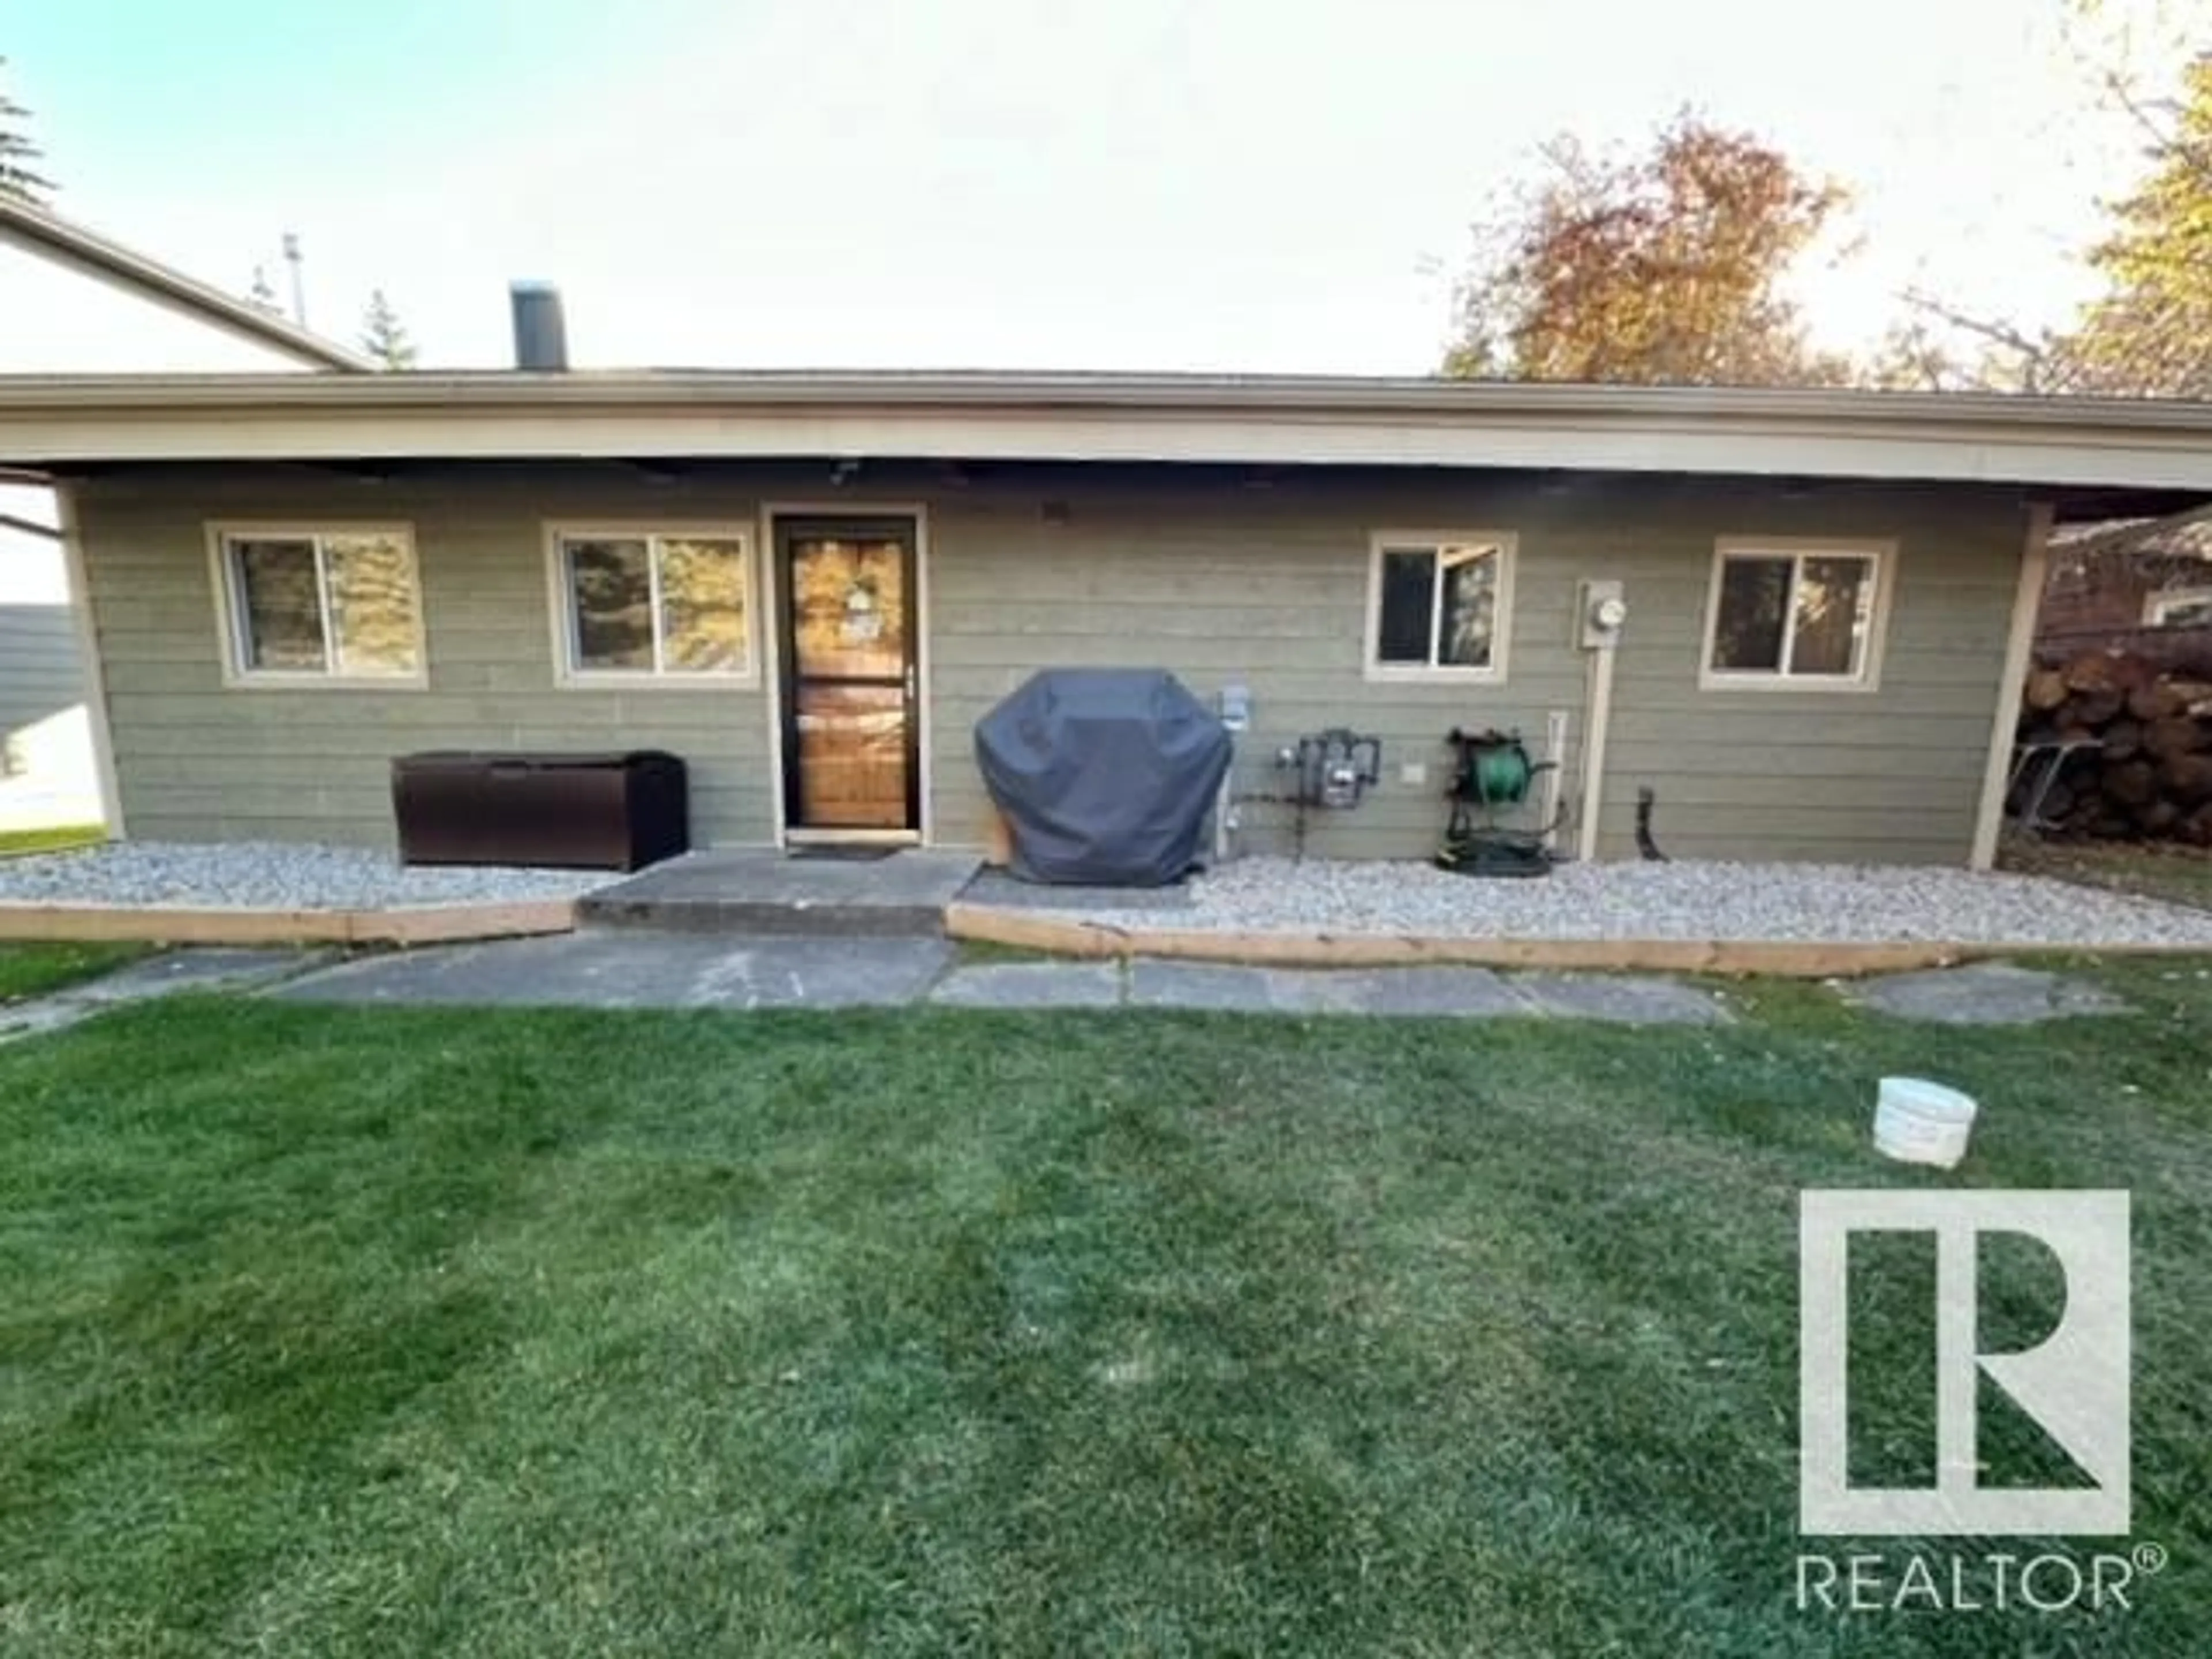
(61, 839)
(30, 970)
(404, 1332)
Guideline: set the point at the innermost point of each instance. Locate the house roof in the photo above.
(1258, 420)
(66, 243)
(2182, 539)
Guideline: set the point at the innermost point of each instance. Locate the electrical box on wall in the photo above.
(1601, 610)
(1237, 706)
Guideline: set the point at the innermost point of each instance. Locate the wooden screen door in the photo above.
(851, 741)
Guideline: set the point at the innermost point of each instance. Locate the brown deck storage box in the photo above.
(615, 811)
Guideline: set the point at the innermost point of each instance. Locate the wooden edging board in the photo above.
(1026, 930)
(168, 924)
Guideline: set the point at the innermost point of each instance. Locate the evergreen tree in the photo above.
(383, 337)
(19, 156)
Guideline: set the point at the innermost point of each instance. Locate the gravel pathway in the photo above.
(1796, 902)
(268, 875)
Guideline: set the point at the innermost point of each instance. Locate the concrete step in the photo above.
(761, 890)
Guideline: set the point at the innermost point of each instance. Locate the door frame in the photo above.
(776, 680)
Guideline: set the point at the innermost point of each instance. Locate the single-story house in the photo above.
(1800, 618)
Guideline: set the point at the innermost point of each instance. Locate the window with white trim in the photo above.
(321, 604)
(1439, 604)
(1786, 615)
(654, 604)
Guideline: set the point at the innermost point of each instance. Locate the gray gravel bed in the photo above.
(1795, 903)
(268, 875)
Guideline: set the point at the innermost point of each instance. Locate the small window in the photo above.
(653, 605)
(2178, 607)
(1439, 606)
(1795, 616)
(335, 606)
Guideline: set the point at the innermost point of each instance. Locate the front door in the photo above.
(851, 751)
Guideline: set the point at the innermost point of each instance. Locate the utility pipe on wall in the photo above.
(1235, 704)
(1599, 613)
(1555, 728)
(1600, 702)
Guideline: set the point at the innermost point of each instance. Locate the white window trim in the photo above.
(1493, 672)
(232, 645)
(2157, 603)
(1869, 676)
(568, 675)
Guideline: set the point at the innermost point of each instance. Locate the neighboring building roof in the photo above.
(2180, 539)
(64, 242)
(2093, 444)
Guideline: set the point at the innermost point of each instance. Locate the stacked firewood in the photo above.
(2147, 775)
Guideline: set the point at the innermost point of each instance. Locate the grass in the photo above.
(2158, 870)
(60, 840)
(984, 952)
(32, 970)
(406, 1331)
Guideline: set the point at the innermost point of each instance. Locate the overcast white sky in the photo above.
(1260, 184)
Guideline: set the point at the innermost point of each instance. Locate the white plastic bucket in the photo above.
(1916, 1122)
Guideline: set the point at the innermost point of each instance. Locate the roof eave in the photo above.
(1062, 418)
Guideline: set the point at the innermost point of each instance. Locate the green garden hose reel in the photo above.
(1502, 775)
(1492, 772)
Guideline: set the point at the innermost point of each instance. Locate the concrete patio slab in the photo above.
(761, 890)
(1031, 985)
(1983, 993)
(631, 968)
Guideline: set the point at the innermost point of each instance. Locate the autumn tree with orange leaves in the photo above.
(1663, 267)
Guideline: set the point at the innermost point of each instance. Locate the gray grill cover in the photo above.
(1105, 774)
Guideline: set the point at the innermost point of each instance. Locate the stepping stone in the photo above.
(634, 967)
(1475, 993)
(40, 1014)
(212, 968)
(1982, 993)
(205, 968)
(1218, 987)
(1621, 998)
(1032, 985)
(1463, 992)
(1401, 991)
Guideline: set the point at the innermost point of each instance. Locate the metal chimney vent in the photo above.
(541, 337)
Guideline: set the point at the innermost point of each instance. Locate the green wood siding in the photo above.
(197, 760)
(1211, 574)
(1893, 775)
